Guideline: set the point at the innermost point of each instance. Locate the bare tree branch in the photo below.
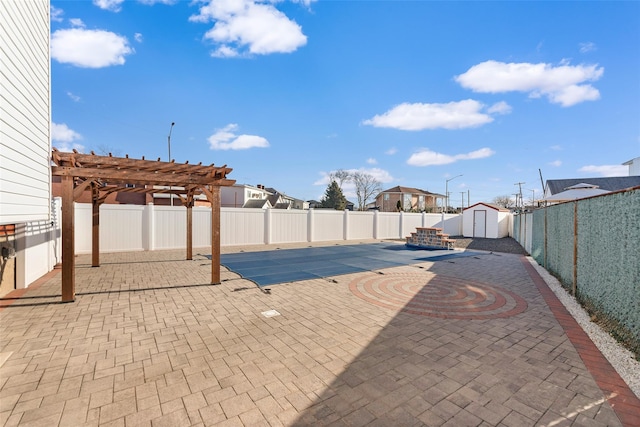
(340, 176)
(366, 187)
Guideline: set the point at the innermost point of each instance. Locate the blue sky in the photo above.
(412, 92)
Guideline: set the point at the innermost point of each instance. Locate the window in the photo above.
(406, 202)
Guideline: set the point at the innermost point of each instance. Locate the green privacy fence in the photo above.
(593, 247)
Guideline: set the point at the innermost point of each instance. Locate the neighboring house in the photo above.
(634, 166)
(313, 204)
(575, 192)
(282, 201)
(237, 195)
(555, 186)
(244, 196)
(411, 199)
(26, 213)
(279, 200)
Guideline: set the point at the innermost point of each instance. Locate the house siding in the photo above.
(25, 146)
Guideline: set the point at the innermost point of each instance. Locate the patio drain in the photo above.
(438, 296)
(270, 313)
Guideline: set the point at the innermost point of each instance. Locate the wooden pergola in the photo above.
(103, 175)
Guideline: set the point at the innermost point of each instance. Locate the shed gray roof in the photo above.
(615, 183)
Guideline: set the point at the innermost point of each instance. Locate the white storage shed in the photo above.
(485, 220)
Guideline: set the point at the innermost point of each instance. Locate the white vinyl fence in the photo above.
(151, 227)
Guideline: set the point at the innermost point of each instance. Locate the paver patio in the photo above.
(470, 341)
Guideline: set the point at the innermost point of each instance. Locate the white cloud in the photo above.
(500, 108)
(427, 157)
(249, 26)
(225, 52)
(391, 151)
(115, 5)
(64, 138)
(152, 2)
(56, 13)
(418, 116)
(76, 22)
(138, 37)
(74, 98)
(556, 163)
(226, 139)
(556, 147)
(111, 5)
(306, 3)
(563, 84)
(60, 132)
(372, 161)
(89, 48)
(606, 170)
(587, 47)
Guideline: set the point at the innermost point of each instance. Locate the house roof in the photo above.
(411, 190)
(257, 203)
(615, 183)
(576, 192)
(489, 205)
(629, 162)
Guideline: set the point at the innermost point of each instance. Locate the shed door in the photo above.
(479, 223)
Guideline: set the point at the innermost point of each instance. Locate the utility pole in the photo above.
(462, 206)
(533, 197)
(519, 184)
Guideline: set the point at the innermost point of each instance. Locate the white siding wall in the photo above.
(25, 148)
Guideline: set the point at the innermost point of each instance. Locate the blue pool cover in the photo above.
(290, 265)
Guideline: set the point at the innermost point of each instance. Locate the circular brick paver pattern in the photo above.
(438, 296)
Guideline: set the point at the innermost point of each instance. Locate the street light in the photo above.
(169, 144)
(446, 191)
(446, 197)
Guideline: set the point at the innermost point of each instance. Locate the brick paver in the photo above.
(149, 342)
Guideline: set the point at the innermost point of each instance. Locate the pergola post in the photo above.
(95, 229)
(68, 241)
(189, 204)
(215, 234)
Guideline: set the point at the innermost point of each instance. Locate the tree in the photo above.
(503, 201)
(333, 197)
(366, 187)
(105, 150)
(340, 176)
